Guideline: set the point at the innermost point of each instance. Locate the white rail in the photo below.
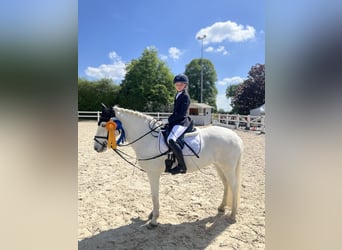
(96, 114)
(89, 114)
(247, 121)
(236, 121)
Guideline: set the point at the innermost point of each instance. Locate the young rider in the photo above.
(179, 121)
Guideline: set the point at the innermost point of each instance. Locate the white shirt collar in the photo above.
(178, 94)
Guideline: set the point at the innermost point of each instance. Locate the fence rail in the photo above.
(89, 114)
(96, 114)
(247, 121)
(236, 121)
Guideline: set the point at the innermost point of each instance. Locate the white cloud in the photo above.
(175, 53)
(231, 31)
(209, 49)
(222, 102)
(231, 80)
(114, 56)
(219, 49)
(115, 71)
(222, 49)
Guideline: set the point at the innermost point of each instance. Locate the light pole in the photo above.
(201, 38)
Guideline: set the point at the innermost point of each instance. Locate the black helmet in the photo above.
(181, 78)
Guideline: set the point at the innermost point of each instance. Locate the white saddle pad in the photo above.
(192, 139)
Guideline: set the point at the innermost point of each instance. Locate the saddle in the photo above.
(166, 131)
(189, 141)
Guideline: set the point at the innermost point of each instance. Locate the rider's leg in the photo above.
(176, 132)
(181, 167)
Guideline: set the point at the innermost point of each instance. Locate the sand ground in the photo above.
(114, 202)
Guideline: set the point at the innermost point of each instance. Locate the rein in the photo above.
(134, 141)
(121, 153)
(139, 138)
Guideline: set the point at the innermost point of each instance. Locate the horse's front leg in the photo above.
(154, 183)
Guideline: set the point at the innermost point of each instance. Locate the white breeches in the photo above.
(176, 132)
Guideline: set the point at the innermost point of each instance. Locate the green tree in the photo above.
(231, 90)
(148, 84)
(92, 93)
(222, 111)
(251, 93)
(193, 71)
(230, 93)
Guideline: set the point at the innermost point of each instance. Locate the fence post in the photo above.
(237, 121)
(98, 116)
(248, 125)
(263, 124)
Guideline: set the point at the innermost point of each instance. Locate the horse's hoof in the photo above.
(221, 210)
(151, 226)
(232, 219)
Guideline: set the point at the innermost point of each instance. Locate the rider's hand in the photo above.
(165, 121)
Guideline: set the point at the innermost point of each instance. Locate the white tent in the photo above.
(258, 111)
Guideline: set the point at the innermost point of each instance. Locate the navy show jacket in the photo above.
(180, 111)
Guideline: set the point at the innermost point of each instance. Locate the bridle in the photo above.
(122, 139)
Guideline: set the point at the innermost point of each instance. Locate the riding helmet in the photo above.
(181, 78)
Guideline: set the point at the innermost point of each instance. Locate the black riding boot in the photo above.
(181, 168)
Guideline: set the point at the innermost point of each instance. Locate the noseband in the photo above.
(101, 137)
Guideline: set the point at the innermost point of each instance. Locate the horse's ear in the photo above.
(104, 106)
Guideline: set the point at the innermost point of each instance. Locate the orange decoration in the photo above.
(111, 127)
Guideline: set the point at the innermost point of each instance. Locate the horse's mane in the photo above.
(135, 113)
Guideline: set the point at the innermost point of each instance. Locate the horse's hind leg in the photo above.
(154, 183)
(235, 182)
(231, 183)
(234, 198)
(224, 202)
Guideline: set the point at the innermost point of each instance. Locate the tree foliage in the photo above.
(251, 93)
(148, 84)
(231, 90)
(92, 93)
(230, 93)
(193, 71)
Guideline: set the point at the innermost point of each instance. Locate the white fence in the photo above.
(96, 115)
(232, 121)
(237, 121)
(89, 114)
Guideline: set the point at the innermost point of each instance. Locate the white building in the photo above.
(258, 111)
(200, 113)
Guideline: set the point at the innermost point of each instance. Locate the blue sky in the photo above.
(113, 32)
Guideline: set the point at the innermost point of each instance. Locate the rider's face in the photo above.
(180, 86)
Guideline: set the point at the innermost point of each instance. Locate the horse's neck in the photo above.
(134, 124)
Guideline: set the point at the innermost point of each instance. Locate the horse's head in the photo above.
(101, 137)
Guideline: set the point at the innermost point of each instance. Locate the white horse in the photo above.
(220, 147)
